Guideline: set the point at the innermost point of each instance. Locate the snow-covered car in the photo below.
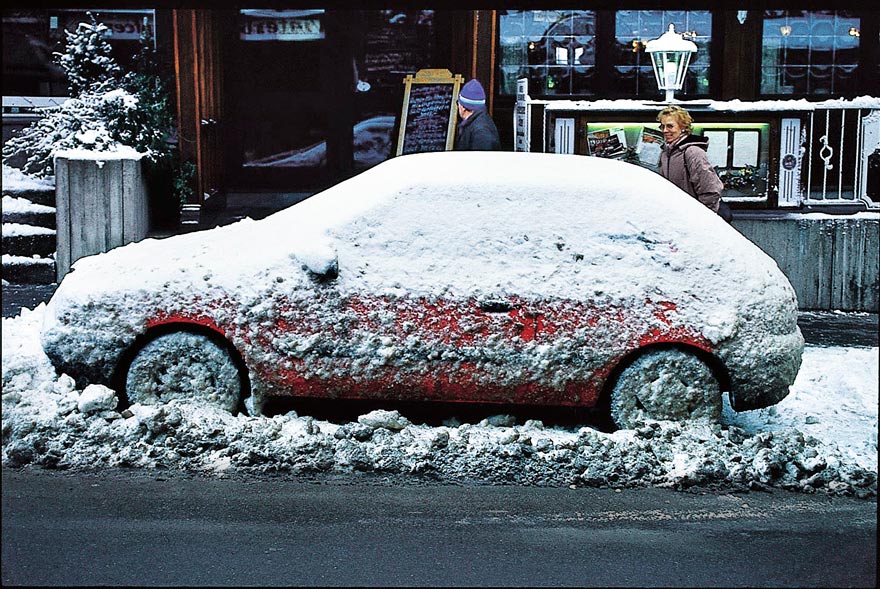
(517, 278)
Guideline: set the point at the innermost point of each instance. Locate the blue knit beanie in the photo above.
(472, 96)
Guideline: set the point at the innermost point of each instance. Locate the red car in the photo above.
(477, 277)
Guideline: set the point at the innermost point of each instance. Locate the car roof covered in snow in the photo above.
(632, 230)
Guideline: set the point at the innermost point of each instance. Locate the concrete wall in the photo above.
(99, 205)
(833, 262)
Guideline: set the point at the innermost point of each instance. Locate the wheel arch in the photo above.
(128, 355)
(719, 370)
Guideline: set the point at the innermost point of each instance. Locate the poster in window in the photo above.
(609, 143)
(745, 149)
(649, 147)
(718, 147)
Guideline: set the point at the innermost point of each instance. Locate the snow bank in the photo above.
(821, 438)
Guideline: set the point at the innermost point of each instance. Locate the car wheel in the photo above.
(665, 385)
(184, 365)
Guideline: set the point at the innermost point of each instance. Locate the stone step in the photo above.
(40, 196)
(34, 240)
(38, 218)
(24, 270)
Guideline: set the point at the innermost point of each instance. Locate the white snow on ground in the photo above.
(822, 437)
(22, 205)
(18, 229)
(14, 180)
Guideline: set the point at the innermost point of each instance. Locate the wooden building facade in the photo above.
(292, 100)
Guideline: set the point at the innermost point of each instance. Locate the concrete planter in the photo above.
(101, 203)
(832, 261)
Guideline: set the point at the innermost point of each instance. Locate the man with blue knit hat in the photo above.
(476, 129)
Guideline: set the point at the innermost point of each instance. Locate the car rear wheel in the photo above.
(665, 385)
(183, 365)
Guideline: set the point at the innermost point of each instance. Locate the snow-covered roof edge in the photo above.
(713, 105)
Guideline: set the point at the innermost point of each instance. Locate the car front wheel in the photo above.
(183, 365)
(665, 385)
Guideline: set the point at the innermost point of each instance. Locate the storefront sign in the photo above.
(281, 25)
(127, 27)
(121, 25)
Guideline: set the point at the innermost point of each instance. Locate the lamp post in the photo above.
(670, 56)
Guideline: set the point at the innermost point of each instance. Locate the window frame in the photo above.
(861, 76)
(606, 85)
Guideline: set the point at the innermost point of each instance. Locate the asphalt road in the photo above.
(153, 528)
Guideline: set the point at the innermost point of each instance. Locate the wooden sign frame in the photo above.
(434, 77)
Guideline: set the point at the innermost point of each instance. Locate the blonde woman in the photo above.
(684, 162)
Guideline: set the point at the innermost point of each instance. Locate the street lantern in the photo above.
(670, 55)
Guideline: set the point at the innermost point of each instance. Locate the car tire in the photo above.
(184, 365)
(665, 385)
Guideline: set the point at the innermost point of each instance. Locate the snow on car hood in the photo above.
(618, 200)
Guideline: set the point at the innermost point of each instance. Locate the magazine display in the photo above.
(650, 144)
(607, 143)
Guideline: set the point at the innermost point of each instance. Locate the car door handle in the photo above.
(497, 306)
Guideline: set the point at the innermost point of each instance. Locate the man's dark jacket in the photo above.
(477, 133)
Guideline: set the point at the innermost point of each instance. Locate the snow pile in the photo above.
(735, 105)
(822, 437)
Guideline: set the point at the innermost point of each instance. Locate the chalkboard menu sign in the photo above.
(427, 121)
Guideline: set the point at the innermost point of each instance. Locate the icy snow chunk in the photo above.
(63, 385)
(319, 258)
(392, 420)
(719, 326)
(96, 397)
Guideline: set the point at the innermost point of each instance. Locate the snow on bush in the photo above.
(821, 438)
(107, 109)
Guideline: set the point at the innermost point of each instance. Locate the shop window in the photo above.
(390, 45)
(632, 72)
(740, 153)
(283, 121)
(299, 73)
(554, 49)
(810, 53)
(28, 65)
(32, 37)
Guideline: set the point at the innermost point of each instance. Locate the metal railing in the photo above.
(838, 150)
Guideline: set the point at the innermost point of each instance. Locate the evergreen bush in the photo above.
(107, 109)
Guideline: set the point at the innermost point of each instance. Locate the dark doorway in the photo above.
(313, 96)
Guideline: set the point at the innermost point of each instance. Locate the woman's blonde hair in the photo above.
(681, 116)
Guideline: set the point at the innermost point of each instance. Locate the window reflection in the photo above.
(555, 49)
(632, 65)
(810, 52)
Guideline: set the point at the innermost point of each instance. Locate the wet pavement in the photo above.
(824, 328)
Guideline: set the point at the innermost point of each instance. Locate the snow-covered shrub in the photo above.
(100, 121)
(107, 108)
(88, 60)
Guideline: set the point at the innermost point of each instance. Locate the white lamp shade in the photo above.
(670, 56)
